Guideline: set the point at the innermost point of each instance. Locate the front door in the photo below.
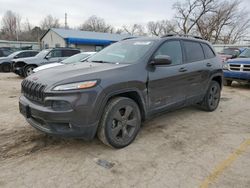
(166, 83)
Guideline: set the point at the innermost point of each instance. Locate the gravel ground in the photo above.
(185, 148)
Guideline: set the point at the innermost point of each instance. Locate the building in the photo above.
(19, 44)
(84, 40)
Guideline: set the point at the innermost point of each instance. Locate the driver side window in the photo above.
(171, 49)
(55, 53)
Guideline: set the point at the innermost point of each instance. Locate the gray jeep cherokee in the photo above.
(24, 66)
(121, 86)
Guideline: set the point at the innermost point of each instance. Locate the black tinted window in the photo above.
(172, 49)
(194, 51)
(68, 53)
(33, 53)
(208, 51)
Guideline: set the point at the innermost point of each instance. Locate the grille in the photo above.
(33, 90)
(239, 67)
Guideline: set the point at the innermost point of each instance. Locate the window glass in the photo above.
(208, 51)
(55, 53)
(194, 51)
(68, 53)
(172, 49)
(6, 52)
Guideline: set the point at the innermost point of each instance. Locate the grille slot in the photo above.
(33, 90)
(239, 67)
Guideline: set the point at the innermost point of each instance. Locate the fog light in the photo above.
(61, 105)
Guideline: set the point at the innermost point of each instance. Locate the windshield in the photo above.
(13, 54)
(122, 52)
(42, 54)
(75, 58)
(245, 53)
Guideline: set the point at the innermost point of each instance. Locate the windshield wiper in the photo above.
(100, 61)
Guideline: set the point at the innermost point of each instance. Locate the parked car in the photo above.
(5, 52)
(24, 66)
(5, 62)
(121, 86)
(72, 59)
(237, 69)
(229, 53)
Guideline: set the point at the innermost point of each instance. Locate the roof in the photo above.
(87, 37)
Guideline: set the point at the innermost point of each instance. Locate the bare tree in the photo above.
(49, 22)
(190, 12)
(226, 24)
(96, 24)
(135, 29)
(160, 28)
(11, 25)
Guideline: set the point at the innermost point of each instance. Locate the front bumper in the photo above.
(76, 122)
(236, 75)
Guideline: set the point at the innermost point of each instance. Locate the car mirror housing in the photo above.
(161, 60)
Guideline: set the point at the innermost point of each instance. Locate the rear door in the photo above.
(197, 70)
(166, 83)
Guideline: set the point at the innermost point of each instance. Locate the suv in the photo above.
(5, 62)
(5, 52)
(237, 69)
(121, 86)
(24, 66)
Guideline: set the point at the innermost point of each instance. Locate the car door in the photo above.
(196, 69)
(166, 83)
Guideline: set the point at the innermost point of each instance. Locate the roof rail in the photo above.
(181, 35)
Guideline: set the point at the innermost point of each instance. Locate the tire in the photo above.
(120, 122)
(212, 98)
(227, 82)
(28, 70)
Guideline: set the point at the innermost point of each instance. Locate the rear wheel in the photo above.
(227, 82)
(29, 70)
(120, 122)
(212, 97)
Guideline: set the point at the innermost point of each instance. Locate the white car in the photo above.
(73, 59)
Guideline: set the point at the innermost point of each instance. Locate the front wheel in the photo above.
(120, 122)
(212, 98)
(29, 70)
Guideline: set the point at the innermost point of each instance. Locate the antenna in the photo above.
(66, 21)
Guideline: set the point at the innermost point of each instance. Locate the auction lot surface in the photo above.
(184, 148)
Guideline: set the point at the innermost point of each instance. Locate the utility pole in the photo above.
(66, 21)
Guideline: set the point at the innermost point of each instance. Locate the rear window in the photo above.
(208, 51)
(194, 51)
(68, 53)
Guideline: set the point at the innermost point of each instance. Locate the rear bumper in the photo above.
(236, 75)
(70, 123)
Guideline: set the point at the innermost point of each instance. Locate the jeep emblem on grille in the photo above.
(34, 78)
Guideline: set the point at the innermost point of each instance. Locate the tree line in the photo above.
(218, 21)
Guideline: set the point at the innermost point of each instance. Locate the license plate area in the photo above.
(24, 110)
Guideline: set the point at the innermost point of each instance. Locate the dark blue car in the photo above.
(237, 69)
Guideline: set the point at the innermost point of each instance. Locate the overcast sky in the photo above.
(115, 12)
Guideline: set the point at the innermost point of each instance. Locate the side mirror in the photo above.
(47, 57)
(161, 60)
(16, 57)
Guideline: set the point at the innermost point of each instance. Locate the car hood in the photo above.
(27, 59)
(43, 67)
(76, 73)
(239, 61)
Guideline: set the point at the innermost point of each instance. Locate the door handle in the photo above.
(209, 65)
(182, 69)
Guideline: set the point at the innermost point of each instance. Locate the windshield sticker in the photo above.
(142, 43)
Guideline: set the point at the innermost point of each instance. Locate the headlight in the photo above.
(77, 85)
(225, 66)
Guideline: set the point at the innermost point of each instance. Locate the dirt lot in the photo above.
(185, 148)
